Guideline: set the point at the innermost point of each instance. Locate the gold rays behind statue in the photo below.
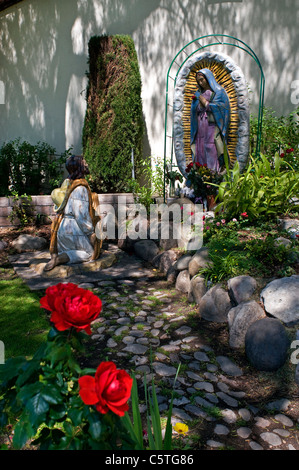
(224, 79)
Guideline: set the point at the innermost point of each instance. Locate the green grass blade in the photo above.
(137, 424)
(156, 419)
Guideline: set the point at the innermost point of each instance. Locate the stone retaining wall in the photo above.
(43, 205)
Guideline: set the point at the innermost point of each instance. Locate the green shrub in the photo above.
(279, 134)
(262, 191)
(239, 248)
(113, 125)
(29, 169)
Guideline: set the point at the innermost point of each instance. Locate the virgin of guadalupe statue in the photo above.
(73, 238)
(210, 118)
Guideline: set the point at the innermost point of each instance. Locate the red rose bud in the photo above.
(71, 306)
(110, 389)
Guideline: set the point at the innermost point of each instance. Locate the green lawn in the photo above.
(23, 324)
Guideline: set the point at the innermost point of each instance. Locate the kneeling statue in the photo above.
(73, 238)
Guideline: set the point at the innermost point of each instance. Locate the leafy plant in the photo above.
(28, 168)
(261, 191)
(153, 177)
(22, 210)
(236, 248)
(279, 133)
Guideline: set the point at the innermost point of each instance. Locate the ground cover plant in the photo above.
(239, 247)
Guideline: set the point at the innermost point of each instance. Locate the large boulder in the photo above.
(182, 263)
(198, 288)
(267, 344)
(199, 260)
(29, 243)
(146, 249)
(239, 320)
(215, 305)
(183, 281)
(164, 261)
(281, 300)
(241, 288)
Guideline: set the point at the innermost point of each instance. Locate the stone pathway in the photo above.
(139, 320)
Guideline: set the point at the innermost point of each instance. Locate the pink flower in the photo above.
(217, 223)
(223, 221)
(207, 227)
(235, 220)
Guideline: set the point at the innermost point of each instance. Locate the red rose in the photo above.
(244, 214)
(71, 306)
(282, 155)
(110, 389)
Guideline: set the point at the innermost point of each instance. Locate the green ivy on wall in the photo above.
(113, 125)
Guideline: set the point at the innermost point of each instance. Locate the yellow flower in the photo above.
(181, 428)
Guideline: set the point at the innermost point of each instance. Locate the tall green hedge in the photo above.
(113, 123)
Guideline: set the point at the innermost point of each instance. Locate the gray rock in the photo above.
(215, 305)
(164, 370)
(231, 402)
(183, 281)
(279, 405)
(164, 261)
(297, 375)
(146, 249)
(255, 446)
(29, 243)
(136, 348)
(241, 288)
(244, 432)
(183, 262)
(239, 320)
(170, 242)
(220, 429)
(267, 344)
(198, 289)
(282, 241)
(214, 444)
(199, 260)
(229, 367)
(271, 438)
(285, 420)
(281, 300)
(3, 245)
(201, 356)
(183, 331)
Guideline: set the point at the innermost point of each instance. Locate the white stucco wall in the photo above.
(44, 53)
